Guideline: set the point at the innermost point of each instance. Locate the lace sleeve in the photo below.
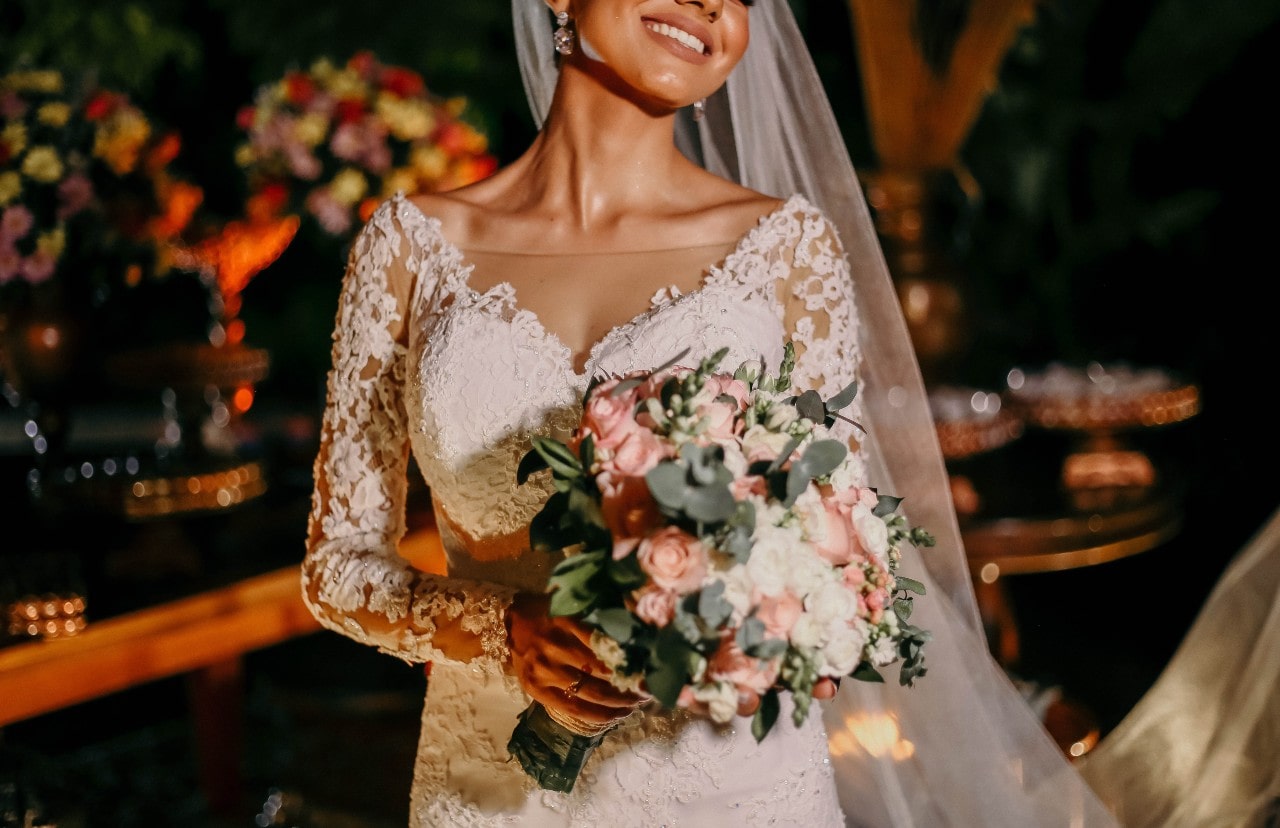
(820, 316)
(354, 580)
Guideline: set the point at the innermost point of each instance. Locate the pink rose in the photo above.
(854, 577)
(722, 420)
(725, 385)
(779, 613)
(15, 222)
(609, 417)
(655, 605)
(639, 451)
(876, 600)
(673, 559)
(748, 674)
(838, 547)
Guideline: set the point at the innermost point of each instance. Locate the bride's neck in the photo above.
(600, 153)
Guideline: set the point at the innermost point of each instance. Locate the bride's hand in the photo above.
(553, 659)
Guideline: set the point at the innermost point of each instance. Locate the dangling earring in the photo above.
(563, 37)
(699, 109)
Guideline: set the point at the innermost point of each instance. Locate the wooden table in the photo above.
(203, 636)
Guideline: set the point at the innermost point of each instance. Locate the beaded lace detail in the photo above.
(465, 379)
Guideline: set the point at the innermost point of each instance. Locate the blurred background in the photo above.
(1074, 200)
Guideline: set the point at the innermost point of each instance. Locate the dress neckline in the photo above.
(505, 292)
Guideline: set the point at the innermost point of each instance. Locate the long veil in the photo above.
(962, 747)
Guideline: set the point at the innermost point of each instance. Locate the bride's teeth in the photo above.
(679, 35)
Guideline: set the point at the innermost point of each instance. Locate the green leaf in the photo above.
(570, 602)
(809, 405)
(558, 456)
(709, 504)
(766, 715)
(865, 672)
(624, 386)
(750, 634)
(909, 584)
(822, 457)
(587, 451)
(784, 455)
(666, 484)
(529, 464)
(845, 397)
(712, 606)
(886, 505)
(767, 649)
(902, 607)
(616, 622)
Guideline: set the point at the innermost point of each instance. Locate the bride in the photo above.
(688, 189)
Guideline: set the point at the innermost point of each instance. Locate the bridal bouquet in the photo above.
(718, 543)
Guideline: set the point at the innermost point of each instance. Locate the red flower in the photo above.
(299, 88)
(245, 116)
(363, 63)
(402, 82)
(101, 105)
(350, 110)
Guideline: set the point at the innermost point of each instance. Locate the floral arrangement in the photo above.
(718, 544)
(332, 142)
(84, 189)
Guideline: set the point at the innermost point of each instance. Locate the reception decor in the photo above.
(331, 142)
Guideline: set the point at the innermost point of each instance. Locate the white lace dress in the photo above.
(463, 378)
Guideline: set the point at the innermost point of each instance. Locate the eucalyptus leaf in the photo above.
(712, 606)
(709, 504)
(750, 634)
(903, 608)
(785, 454)
(569, 602)
(558, 456)
(822, 457)
(809, 405)
(625, 385)
(845, 397)
(666, 484)
(909, 584)
(886, 505)
(616, 622)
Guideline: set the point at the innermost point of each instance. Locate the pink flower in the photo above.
(673, 559)
(74, 194)
(639, 452)
(362, 142)
(15, 223)
(854, 577)
(608, 417)
(725, 385)
(333, 217)
(839, 546)
(655, 605)
(722, 420)
(38, 267)
(748, 674)
(779, 613)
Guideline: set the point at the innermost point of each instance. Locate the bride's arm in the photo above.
(820, 318)
(354, 580)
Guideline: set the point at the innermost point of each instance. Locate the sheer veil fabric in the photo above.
(961, 747)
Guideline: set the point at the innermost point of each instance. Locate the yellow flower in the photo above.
(348, 186)
(399, 180)
(10, 187)
(14, 136)
(42, 80)
(55, 113)
(345, 83)
(245, 156)
(311, 128)
(408, 120)
(42, 164)
(430, 162)
(454, 106)
(51, 243)
(119, 140)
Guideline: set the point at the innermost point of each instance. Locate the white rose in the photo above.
(851, 473)
(873, 533)
(842, 652)
(769, 565)
(808, 571)
(807, 632)
(811, 513)
(721, 699)
(738, 587)
(735, 461)
(832, 603)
